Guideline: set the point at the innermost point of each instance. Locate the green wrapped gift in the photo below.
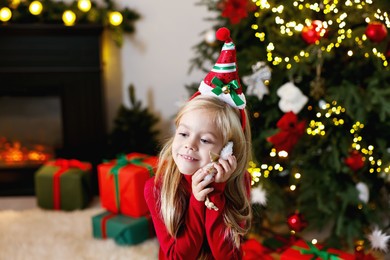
(63, 185)
(123, 229)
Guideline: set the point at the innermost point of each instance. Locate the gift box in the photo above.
(122, 181)
(306, 250)
(123, 229)
(63, 184)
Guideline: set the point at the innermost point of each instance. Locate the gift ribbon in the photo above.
(104, 224)
(64, 165)
(322, 254)
(121, 162)
(231, 87)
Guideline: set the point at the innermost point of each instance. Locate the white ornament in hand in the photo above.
(226, 151)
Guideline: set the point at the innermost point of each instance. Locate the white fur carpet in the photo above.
(45, 234)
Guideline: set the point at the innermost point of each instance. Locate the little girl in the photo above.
(185, 227)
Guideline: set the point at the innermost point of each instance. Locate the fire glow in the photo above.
(14, 153)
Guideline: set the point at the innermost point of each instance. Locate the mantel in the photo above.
(53, 29)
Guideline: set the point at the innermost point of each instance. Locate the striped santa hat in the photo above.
(223, 80)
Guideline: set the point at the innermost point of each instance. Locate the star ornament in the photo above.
(259, 195)
(257, 82)
(379, 240)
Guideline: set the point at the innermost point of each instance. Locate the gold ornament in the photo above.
(317, 88)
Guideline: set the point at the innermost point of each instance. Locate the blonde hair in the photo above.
(173, 197)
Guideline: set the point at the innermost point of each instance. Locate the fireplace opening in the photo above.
(30, 130)
(51, 99)
(32, 120)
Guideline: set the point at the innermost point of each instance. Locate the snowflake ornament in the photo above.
(257, 82)
(379, 240)
(291, 98)
(259, 195)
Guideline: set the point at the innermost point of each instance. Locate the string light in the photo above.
(330, 114)
(116, 18)
(84, 5)
(14, 4)
(47, 11)
(5, 14)
(35, 8)
(331, 111)
(290, 28)
(69, 18)
(263, 171)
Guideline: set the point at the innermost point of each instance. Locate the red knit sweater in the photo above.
(202, 227)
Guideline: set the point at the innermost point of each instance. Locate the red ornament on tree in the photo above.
(376, 31)
(354, 161)
(314, 32)
(296, 222)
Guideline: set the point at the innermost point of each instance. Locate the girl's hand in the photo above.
(199, 184)
(225, 168)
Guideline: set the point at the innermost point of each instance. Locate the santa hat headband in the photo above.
(223, 80)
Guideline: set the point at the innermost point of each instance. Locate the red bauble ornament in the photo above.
(314, 32)
(376, 31)
(320, 29)
(296, 222)
(310, 35)
(354, 161)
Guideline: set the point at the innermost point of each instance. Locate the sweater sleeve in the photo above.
(189, 240)
(221, 247)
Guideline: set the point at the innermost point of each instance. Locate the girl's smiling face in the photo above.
(196, 135)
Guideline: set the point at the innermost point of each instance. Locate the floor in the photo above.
(28, 202)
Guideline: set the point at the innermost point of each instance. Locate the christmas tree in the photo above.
(317, 82)
(135, 130)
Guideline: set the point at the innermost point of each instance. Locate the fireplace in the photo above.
(61, 65)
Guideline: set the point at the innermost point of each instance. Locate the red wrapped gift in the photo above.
(122, 181)
(306, 250)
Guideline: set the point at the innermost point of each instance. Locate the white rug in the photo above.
(37, 234)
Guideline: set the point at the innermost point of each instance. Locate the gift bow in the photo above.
(228, 88)
(121, 162)
(64, 165)
(72, 163)
(322, 254)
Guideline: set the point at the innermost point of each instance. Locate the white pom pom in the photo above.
(259, 195)
(363, 191)
(227, 150)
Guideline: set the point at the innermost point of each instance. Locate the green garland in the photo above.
(52, 13)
